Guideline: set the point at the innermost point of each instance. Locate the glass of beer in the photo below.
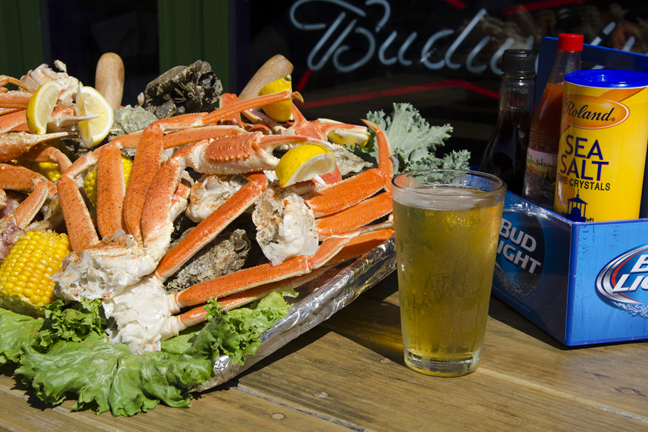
(447, 226)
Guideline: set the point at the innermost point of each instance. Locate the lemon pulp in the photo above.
(304, 163)
(90, 102)
(41, 105)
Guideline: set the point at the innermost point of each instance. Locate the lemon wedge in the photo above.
(304, 163)
(349, 137)
(41, 105)
(89, 102)
(279, 111)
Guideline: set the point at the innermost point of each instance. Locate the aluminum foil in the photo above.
(317, 306)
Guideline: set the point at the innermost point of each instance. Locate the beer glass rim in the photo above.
(499, 186)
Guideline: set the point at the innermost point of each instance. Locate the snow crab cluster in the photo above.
(122, 254)
(18, 144)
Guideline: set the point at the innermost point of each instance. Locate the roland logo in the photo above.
(592, 112)
(584, 112)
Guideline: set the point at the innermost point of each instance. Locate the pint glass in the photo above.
(447, 226)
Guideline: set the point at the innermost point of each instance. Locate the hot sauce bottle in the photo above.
(505, 154)
(542, 153)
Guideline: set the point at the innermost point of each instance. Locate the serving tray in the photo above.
(319, 304)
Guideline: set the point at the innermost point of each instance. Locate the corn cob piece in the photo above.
(90, 182)
(50, 170)
(25, 283)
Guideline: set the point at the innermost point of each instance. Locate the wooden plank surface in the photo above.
(348, 374)
(351, 367)
(223, 409)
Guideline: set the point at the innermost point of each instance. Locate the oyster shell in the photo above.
(182, 90)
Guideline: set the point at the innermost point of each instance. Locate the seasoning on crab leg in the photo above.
(148, 160)
(111, 191)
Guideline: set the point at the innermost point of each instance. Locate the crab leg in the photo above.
(15, 144)
(147, 162)
(23, 179)
(355, 217)
(384, 153)
(181, 137)
(199, 314)
(255, 276)
(234, 108)
(78, 221)
(346, 193)
(6, 79)
(356, 247)
(321, 128)
(44, 153)
(193, 123)
(361, 244)
(10, 121)
(110, 191)
(15, 99)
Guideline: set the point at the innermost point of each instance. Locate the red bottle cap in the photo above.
(570, 42)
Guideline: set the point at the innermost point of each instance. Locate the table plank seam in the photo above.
(562, 394)
(250, 391)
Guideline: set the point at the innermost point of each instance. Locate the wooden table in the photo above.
(348, 374)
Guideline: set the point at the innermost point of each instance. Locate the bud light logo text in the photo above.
(520, 253)
(623, 282)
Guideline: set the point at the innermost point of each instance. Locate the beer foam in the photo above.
(446, 197)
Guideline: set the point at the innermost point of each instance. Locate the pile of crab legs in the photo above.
(18, 144)
(127, 266)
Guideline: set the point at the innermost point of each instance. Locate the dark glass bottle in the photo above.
(505, 154)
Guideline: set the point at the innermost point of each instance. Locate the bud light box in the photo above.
(583, 283)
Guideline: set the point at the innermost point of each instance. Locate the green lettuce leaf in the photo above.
(17, 331)
(106, 377)
(74, 323)
(414, 142)
(237, 333)
(66, 355)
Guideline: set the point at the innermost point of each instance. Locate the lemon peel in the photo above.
(41, 105)
(89, 102)
(279, 111)
(304, 163)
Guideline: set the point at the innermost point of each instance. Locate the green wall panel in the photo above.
(21, 40)
(193, 30)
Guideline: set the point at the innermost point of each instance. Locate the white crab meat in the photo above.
(210, 192)
(105, 270)
(140, 316)
(285, 225)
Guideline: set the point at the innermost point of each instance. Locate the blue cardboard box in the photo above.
(583, 283)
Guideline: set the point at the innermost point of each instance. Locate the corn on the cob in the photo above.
(25, 283)
(50, 170)
(90, 182)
